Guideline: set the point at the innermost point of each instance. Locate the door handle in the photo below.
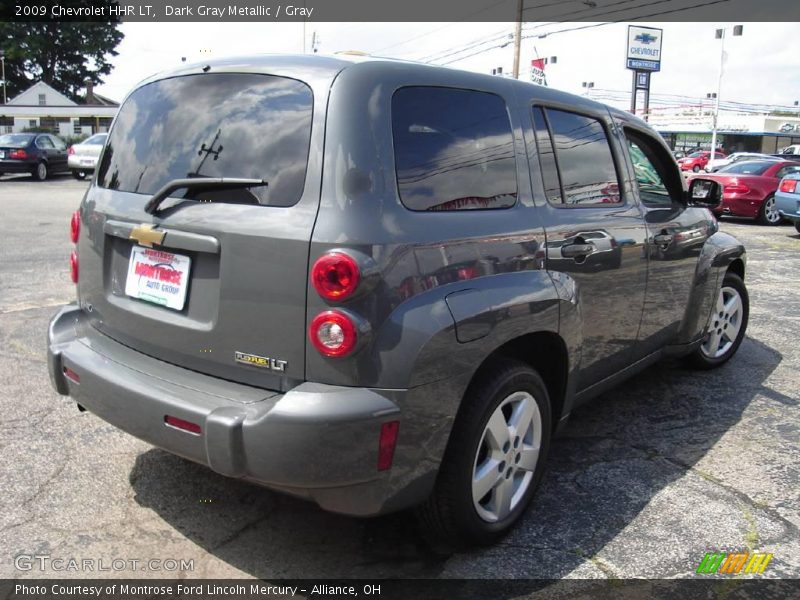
(662, 239)
(577, 250)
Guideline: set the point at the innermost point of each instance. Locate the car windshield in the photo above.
(234, 125)
(17, 140)
(96, 140)
(752, 167)
(696, 154)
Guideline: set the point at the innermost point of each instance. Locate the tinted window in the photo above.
(748, 167)
(44, 142)
(453, 149)
(212, 125)
(547, 158)
(584, 159)
(58, 142)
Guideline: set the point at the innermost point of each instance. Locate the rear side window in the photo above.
(453, 149)
(585, 163)
(212, 125)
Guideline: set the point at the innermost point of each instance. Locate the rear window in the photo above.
(453, 149)
(748, 168)
(212, 125)
(15, 139)
(96, 140)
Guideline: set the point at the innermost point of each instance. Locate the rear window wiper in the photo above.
(199, 183)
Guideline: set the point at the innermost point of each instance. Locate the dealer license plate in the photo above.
(158, 277)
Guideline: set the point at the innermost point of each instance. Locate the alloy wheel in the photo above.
(724, 324)
(506, 457)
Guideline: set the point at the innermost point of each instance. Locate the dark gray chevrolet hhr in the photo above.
(381, 285)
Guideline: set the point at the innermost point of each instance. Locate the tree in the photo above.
(62, 55)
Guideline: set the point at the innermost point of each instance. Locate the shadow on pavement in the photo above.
(616, 455)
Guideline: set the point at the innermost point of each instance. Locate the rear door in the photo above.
(59, 157)
(595, 234)
(216, 280)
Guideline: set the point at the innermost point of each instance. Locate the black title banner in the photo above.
(422, 589)
(394, 10)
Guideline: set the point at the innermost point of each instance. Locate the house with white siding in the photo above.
(45, 107)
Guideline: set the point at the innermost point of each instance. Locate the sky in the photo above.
(761, 66)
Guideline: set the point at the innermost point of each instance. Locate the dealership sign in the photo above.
(644, 48)
(537, 71)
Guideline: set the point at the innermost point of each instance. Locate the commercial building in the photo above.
(735, 132)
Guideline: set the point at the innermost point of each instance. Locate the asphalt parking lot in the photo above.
(642, 483)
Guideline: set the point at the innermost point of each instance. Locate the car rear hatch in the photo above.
(214, 278)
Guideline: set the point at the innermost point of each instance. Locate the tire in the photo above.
(454, 517)
(79, 175)
(727, 317)
(768, 213)
(797, 226)
(696, 168)
(40, 172)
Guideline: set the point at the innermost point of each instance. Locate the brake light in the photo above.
(789, 186)
(386, 444)
(75, 227)
(73, 266)
(335, 276)
(71, 150)
(736, 188)
(18, 154)
(333, 334)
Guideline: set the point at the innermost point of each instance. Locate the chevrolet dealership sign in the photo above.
(644, 48)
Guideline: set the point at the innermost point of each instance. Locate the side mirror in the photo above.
(704, 192)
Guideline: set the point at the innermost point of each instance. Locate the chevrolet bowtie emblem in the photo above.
(146, 235)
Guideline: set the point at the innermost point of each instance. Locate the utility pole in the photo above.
(517, 40)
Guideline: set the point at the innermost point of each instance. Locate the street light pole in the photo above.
(3, 61)
(720, 33)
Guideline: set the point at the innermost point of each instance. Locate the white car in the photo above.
(82, 158)
(716, 165)
(792, 150)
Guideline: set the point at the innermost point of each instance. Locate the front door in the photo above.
(595, 234)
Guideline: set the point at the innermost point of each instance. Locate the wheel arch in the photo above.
(545, 352)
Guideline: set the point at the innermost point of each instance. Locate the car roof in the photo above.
(309, 67)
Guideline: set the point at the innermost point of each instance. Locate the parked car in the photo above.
(698, 160)
(793, 150)
(749, 188)
(39, 154)
(333, 280)
(787, 199)
(715, 165)
(82, 158)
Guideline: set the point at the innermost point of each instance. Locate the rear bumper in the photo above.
(788, 206)
(16, 166)
(316, 441)
(81, 163)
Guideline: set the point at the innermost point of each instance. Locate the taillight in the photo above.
(71, 150)
(75, 226)
(18, 154)
(335, 276)
(789, 186)
(333, 334)
(73, 266)
(736, 188)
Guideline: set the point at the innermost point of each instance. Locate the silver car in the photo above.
(82, 158)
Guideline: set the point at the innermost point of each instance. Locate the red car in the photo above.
(748, 188)
(697, 160)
